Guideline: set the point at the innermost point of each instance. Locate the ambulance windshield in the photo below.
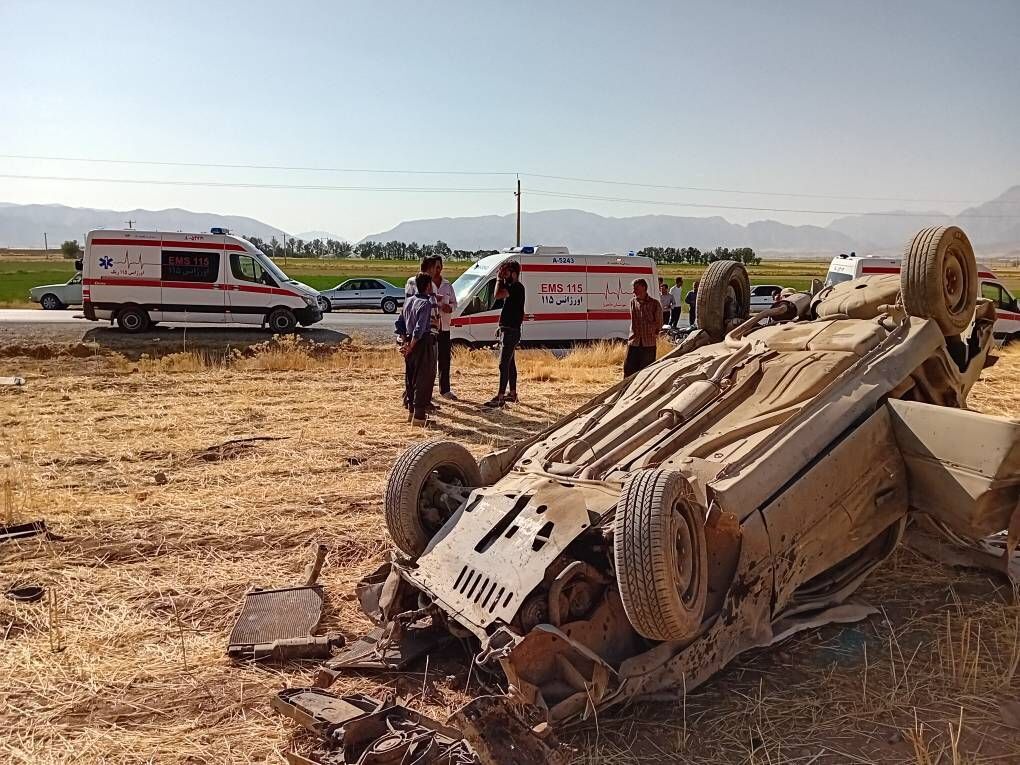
(835, 277)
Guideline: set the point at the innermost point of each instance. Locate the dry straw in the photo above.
(150, 573)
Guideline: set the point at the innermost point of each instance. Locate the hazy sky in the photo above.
(868, 99)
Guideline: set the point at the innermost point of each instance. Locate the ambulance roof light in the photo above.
(219, 231)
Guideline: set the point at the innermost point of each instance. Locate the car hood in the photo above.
(42, 287)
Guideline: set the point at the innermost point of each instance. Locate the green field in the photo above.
(19, 272)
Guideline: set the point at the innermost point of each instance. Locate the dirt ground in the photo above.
(162, 528)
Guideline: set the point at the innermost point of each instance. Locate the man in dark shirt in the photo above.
(645, 323)
(511, 291)
(420, 349)
(692, 302)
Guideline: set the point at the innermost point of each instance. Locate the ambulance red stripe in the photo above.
(169, 244)
(558, 268)
(112, 281)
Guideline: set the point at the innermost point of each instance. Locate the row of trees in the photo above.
(695, 257)
(394, 250)
(332, 248)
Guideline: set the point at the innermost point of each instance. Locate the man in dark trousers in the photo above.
(447, 300)
(645, 322)
(692, 301)
(511, 292)
(420, 349)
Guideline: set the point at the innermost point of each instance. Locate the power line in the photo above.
(565, 195)
(571, 179)
(765, 193)
(290, 186)
(256, 167)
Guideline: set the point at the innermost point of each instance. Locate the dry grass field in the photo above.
(163, 526)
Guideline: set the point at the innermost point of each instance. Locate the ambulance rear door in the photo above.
(555, 303)
(609, 293)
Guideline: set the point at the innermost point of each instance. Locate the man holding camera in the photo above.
(511, 317)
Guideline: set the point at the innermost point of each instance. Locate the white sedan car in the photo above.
(53, 297)
(763, 295)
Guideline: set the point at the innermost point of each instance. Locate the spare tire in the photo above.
(939, 278)
(723, 298)
(413, 513)
(661, 555)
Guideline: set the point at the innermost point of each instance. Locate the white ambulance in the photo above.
(1007, 324)
(138, 278)
(567, 297)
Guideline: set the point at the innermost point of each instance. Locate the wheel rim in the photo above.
(49, 302)
(132, 321)
(954, 281)
(389, 306)
(686, 554)
(432, 514)
(282, 322)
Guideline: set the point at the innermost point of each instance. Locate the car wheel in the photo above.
(414, 505)
(324, 305)
(939, 278)
(661, 556)
(281, 320)
(133, 319)
(723, 298)
(50, 302)
(389, 305)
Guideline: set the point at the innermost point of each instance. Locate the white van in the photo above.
(1007, 323)
(567, 297)
(137, 278)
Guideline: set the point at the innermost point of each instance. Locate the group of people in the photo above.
(423, 331)
(672, 300)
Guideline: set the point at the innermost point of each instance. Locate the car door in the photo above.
(1007, 312)
(192, 288)
(250, 289)
(349, 293)
(371, 293)
(480, 316)
(72, 291)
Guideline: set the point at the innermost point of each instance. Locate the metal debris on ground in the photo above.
(17, 381)
(17, 531)
(25, 593)
(361, 730)
(277, 624)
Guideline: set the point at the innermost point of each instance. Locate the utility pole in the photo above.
(46, 243)
(518, 195)
(130, 223)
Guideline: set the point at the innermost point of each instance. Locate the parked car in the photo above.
(365, 293)
(762, 296)
(54, 297)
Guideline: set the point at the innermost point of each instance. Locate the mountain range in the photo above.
(993, 227)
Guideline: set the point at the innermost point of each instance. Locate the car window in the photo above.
(371, 284)
(763, 290)
(76, 279)
(482, 301)
(247, 269)
(991, 291)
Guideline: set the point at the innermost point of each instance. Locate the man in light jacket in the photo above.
(447, 300)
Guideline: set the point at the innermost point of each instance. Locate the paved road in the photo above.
(20, 326)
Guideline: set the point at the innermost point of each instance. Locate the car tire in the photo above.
(281, 320)
(724, 295)
(389, 305)
(661, 555)
(133, 319)
(411, 525)
(324, 305)
(50, 302)
(939, 278)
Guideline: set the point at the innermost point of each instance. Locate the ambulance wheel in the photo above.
(50, 302)
(424, 489)
(389, 305)
(723, 298)
(939, 278)
(133, 319)
(281, 320)
(661, 555)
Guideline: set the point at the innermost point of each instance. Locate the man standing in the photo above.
(427, 264)
(645, 315)
(692, 301)
(447, 300)
(420, 350)
(511, 291)
(666, 301)
(677, 293)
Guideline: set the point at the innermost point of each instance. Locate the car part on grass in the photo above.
(23, 531)
(25, 593)
(733, 493)
(277, 624)
(361, 730)
(16, 381)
